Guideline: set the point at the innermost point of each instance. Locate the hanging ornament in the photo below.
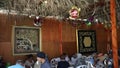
(88, 23)
(37, 21)
(91, 19)
(109, 25)
(106, 27)
(74, 13)
(74, 24)
(96, 21)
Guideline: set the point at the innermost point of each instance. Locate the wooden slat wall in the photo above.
(69, 39)
(50, 36)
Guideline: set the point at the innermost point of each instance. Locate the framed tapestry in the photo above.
(86, 41)
(25, 40)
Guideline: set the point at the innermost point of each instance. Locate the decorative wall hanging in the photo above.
(26, 40)
(86, 41)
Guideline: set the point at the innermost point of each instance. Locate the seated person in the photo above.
(66, 57)
(29, 62)
(2, 63)
(63, 63)
(80, 60)
(100, 60)
(19, 64)
(73, 59)
(37, 64)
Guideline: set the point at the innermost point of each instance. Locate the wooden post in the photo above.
(108, 40)
(60, 32)
(114, 33)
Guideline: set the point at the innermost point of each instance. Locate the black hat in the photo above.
(41, 54)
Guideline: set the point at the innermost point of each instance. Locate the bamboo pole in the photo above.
(114, 33)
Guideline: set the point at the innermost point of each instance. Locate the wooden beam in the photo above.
(114, 33)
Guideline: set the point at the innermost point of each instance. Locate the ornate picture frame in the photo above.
(86, 41)
(26, 40)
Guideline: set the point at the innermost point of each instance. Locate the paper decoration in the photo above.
(37, 21)
(74, 13)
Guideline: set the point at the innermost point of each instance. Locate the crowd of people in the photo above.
(95, 60)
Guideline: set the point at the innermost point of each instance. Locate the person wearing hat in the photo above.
(41, 57)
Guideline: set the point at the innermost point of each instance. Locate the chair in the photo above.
(82, 66)
(53, 63)
(71, 67)
(89, 64)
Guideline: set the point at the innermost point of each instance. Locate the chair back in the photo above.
(53, 63)
(82, 66)
(89, 64)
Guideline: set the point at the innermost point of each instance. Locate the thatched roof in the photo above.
(60, 8)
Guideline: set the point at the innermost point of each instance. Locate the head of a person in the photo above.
(62, 57)
(41, 57)
(65, 54)
(21, 62)
(29, 57)
(74, 56)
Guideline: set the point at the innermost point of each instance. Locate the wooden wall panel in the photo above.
(69, 39)
(50, 30)
(51, 49)
(6, 52)
(69, 48)
(50, 36)
(68, 32)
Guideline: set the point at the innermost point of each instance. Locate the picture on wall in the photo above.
(26, 40)
(86, 41)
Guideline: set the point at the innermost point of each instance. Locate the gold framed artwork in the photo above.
(86, 41)
(26, 40)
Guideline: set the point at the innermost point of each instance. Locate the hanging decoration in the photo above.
(38, 21)
(88, 23)
(91, 19)
(74, 13)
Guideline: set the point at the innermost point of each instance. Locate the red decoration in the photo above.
(74, 13)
